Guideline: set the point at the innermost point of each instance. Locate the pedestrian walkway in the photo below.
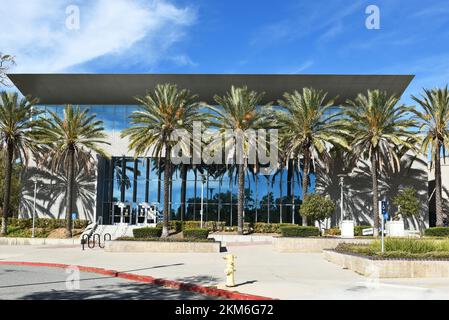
(260, 271)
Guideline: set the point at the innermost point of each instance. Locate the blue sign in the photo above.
(384, 210)
(74, 216)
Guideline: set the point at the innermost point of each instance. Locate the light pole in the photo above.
(342, 210)
(34, 206)
(203, 179)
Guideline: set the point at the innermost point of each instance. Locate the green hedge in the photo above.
(358, 230)
(196, 233)
(437, 232)
(45, 223)
(247, 228)
(212, 226)
(175, 225)
(165, 239)
(147, 232)
(299, 231)
(262, 227)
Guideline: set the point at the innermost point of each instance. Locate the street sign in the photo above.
(384, 216)
(384, 210)
(368, 231)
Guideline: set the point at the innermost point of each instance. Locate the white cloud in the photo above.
(130, 30)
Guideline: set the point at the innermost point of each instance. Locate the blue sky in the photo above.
(216, 36)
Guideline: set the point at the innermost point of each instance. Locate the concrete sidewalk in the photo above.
(260, 271)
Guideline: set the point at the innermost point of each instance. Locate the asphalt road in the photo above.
(41, 283)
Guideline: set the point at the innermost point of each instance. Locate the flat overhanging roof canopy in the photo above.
(122, 88)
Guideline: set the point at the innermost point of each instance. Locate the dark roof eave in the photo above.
(122, 88)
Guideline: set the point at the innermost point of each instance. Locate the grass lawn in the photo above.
(400, 248)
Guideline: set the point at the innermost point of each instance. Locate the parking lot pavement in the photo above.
(259, 271)
(41, 283)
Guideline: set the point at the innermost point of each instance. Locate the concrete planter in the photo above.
(311, 245)
(37, 241)
(161, 246)
(395, 228)
(392, 268)
(347, 229)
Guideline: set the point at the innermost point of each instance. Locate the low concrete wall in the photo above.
(161, 246)
(311, 245)
(251, 238)
(37, 241)
(393, 268)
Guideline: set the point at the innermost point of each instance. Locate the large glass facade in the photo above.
(273, 198)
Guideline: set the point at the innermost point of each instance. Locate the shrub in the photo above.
(262, 227)
(147, 232)
(174, 225)
(407, 202)
(317, 207)
(165, 239)
(437, 232)
(45, 223)
(400, 248)
(411, 245)
(299, 231)
(332, 232)
(80, 224)
(212, 226)
(196, 233)
(358, 230)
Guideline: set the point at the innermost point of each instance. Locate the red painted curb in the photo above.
(233, 295)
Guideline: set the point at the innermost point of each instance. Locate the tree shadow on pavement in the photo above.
(204, 280)
(119, 291)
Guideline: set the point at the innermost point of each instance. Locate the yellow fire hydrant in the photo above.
(229, 271)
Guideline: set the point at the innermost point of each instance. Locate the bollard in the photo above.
(229, 271)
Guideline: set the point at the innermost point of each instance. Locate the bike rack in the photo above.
(104, 240)
(91, 244)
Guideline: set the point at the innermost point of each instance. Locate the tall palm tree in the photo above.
(380, 133)
(161, 113)
(308, 129)
(434, 123)
(17, 139)
(240, 110)
(69, 142)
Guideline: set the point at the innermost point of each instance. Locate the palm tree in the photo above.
(17, 118)
(239, 111)
(161, 113)
(434, 122)
(308, 129)
(69, 142)
(380, 133)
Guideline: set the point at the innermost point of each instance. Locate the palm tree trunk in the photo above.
(438, 188)
(305, 179)
(7, 196)
(375, 193)
(167, 177)
(183, 190)
(241, 182)
(70, 182)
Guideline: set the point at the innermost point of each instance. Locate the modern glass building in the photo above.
(136, 181)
